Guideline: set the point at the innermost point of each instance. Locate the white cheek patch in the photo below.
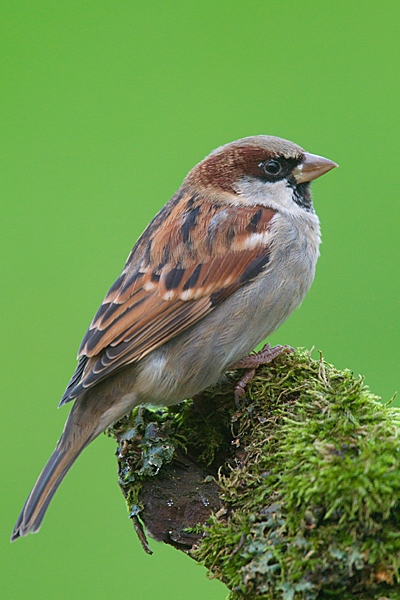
(273, 194)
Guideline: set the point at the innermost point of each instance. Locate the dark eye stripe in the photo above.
(287, 165)
(273, 167)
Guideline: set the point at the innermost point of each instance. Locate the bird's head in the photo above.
(261, 169)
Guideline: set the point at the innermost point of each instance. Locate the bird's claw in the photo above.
(251, 362)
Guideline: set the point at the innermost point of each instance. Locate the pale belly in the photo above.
(198, 357)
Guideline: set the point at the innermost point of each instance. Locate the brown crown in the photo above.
(225, 165)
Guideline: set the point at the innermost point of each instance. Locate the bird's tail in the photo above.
(92, 413)
(73, 440)
(34, 509)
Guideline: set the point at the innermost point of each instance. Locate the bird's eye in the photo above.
(272, 167)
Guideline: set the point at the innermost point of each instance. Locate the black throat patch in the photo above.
(301, 194)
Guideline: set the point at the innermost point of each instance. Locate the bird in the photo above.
(218, 269)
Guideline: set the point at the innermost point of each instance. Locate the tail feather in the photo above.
(34, 509)
(91, 414)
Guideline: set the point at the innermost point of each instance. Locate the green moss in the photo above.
(309, 470)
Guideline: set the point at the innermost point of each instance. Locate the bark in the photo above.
(292, 495)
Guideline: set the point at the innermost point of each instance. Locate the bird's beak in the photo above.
(311, 167)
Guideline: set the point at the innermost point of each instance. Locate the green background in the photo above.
(104, 108)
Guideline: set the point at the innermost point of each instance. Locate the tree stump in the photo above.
(293, 495)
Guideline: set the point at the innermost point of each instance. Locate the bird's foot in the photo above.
(251, 362)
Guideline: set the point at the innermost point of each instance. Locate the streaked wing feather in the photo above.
(171, 281)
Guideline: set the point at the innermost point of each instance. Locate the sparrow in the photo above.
(218, 269)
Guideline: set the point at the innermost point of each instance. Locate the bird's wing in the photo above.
(192, 256)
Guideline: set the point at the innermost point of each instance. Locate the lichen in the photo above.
(309, 482)
(144, 445)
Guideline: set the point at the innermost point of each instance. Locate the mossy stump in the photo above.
(294, 495)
